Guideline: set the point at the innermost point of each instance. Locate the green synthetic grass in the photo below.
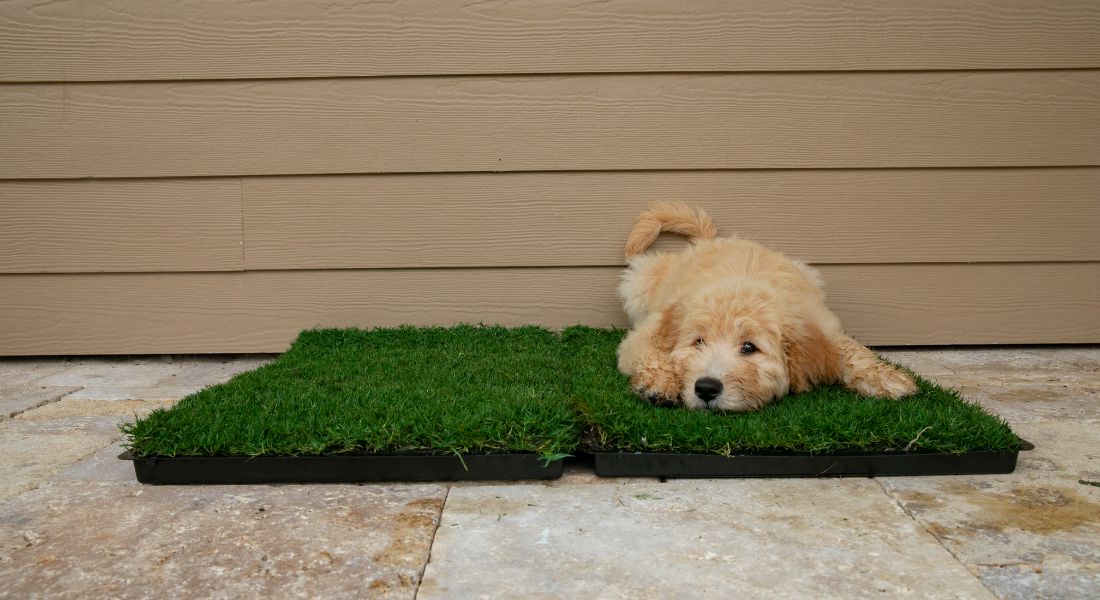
(464, 390)
(473, 390)
(828, 419)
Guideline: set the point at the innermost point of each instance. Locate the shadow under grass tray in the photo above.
(339, 468)
(850, 464)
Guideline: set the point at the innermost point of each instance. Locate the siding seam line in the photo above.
(549, 74)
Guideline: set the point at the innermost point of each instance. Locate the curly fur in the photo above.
(692, 312)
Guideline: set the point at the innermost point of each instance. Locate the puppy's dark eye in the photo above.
(699, 342)
(748, 348)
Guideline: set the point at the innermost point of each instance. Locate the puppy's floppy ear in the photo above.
(668, 328)
(811, 357)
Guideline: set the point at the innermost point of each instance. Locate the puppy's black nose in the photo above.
(707, 388)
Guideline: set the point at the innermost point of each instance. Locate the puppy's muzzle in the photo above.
(707, 388)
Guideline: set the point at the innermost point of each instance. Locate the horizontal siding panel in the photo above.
(598, 122)
(1037, 303)
(120, 225)
(556, 219)
(262, 311)
(32, 117)
(211, 39)
(540, 219)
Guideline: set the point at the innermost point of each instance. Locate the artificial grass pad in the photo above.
(828, 419)
(464, 390)
(486, 390)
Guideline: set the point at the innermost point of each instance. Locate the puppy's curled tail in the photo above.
(676, 217)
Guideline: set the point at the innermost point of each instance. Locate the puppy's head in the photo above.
(727, 342)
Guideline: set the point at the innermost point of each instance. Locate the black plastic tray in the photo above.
(339, 468)
(623, 464)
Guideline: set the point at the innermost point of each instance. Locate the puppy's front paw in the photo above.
(657, 384)
(656, 399)
(886, 382)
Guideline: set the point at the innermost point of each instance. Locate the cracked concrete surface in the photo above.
(75, 524)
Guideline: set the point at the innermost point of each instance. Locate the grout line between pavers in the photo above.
(14, 414)
(438, 524)
(925, 529)
(49, 478)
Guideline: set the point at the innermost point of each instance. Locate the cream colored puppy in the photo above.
(729, 325)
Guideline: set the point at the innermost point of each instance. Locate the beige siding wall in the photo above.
(209, 176)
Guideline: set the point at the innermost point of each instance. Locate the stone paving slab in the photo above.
(124, 410)
(66, 409)
(1020, 385)
(24, 371)
(202, 371)
(17, 399)
(73, 540)
(33, 450)
(113, 372)
(101, 468)
(1015, 364)
(1009, 366)
(1024, 583)
(1027, 402)
(167, 378)
(1033, 533)
(159, 392)
(687, 538)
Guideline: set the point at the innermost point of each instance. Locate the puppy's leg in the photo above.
(653, 375)
(863, 372)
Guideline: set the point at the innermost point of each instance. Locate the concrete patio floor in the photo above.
(75, 524)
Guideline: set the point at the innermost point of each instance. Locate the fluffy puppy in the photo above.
(729, 325)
